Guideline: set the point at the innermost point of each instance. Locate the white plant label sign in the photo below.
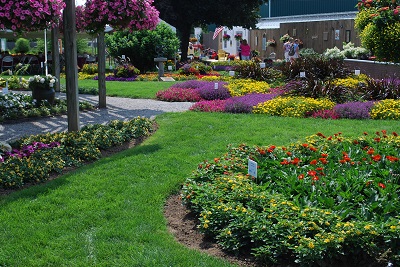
(252, 168)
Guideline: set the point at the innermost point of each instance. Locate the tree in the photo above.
(184, 15)
(140, 46)
(378, 23)
(120, 14)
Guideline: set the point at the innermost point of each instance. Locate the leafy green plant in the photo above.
(91, 68)
(323, 201)
(34, 158)
(251, 69)
(22, 45)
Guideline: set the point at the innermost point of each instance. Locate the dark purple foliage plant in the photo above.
(354, 110)
(245, 104)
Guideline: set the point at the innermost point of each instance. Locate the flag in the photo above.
(217, 31)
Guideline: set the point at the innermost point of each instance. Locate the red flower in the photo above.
(365, 133)
(312, 173)
(285, 162)
(313, 149)
(323, 160)
(289, 153)
(295, 161)
(381, 185)
(371, 151)
(301, 176)
(377, 140)
(392, 158)
(376, 157)
(395, 134)
(315, 178)
(313, 162)
(305, 145)
(324, 155)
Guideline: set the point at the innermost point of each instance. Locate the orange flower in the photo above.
(323, 160)
(313, 149)
(392, 158)
(295, 161)
(284, 162)
(371, 151)
(305, 145)
(289, 153)
(301, 176)
(376, 157)
(312, 173)
(324, 155)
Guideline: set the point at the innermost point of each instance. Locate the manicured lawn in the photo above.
(136, 89)
(110, 213)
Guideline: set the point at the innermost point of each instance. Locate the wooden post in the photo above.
(101, 52)
(55, 57)
(71, 65)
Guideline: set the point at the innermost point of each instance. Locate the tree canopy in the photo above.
(184, 15)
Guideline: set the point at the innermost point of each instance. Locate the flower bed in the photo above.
(327, 201)
(23, 160)
(15, 106)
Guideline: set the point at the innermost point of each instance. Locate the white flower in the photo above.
(31, 79)
(42, 80)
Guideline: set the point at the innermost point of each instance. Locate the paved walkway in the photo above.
(117, 109)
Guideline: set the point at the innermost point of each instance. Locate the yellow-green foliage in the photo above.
(85, 76)
(388, 109)
(350, 82)
(241, 87)
(296, 107)
(91, 68)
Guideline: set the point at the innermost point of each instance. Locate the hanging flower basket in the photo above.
(271, 42)
(226, 37)
(238, 36)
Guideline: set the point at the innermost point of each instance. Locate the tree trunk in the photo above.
(185, 34)
(71, 65)
(101, 52)
(55, 57)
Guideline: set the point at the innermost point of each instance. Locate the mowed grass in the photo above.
(136, 89)
(110, 213)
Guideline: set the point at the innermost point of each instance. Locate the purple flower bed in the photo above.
(190, 84)
(28, 150)
(173, 94)
(223, 68)
(207, 91)
(245, 104)
(209, 106)
(119, 79)
(354, 110)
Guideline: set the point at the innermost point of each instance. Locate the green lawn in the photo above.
(110, 213)
(136, 89)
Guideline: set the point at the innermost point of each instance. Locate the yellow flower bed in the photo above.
(388, 109)
(350, 82)
(296, 107)
(247, 86)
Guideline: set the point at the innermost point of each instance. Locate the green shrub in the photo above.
(22, 45)
(73, 149)
(91, 68)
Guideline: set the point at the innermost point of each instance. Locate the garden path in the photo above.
(117, 109)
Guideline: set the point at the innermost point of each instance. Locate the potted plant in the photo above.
(271, 42)
(43, 88)
(226, 37)
(285, 38)
(238, 36)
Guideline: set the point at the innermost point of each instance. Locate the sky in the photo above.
(79, 2)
